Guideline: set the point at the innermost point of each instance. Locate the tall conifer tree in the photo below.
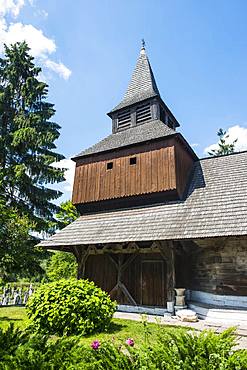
(27, 137)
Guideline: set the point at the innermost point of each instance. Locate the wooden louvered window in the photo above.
(143, 113)
(124, 119)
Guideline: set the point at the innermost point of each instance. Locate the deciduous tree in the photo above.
(18, 257)
(223, 147)
(66, 214)
(63, 264)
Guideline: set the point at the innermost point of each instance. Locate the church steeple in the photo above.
(141, 102)
(142, 84)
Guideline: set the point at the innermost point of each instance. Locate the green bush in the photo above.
(70, 307)
(61, 265)
(238, 360)
(26, 351)
(10, 340)
(191, 350)
(39, 352)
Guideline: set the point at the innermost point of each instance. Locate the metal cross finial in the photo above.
(143, 44)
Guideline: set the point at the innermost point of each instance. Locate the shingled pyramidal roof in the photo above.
(142, 84)
(142, 89)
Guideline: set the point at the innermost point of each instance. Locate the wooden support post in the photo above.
(171, 283)
(76, 253)
(81, 254)
(168, 253)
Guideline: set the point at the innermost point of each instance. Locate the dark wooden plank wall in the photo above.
(220, 267)
(184, 164)
(145, 278)
(154, 171)
(101, 270)
(152, 282)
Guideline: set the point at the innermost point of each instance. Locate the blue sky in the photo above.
(197, 49)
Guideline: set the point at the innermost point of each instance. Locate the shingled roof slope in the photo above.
(142, 84)
(148, 131)
(216, 205)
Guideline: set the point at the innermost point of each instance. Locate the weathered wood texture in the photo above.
(153, 172)
(156, 168)
(136, 279)
(101, 270)
(153, 282)
(184, 163)
(220, 266)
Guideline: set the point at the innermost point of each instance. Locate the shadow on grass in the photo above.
(6, 318)
(113, 329)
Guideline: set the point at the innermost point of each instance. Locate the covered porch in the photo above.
(135, 274)
(141, 276)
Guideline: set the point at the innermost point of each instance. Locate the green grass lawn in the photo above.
(119, 330)
(15, 315)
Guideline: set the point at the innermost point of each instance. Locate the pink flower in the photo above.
(130, 342)
(95, 344)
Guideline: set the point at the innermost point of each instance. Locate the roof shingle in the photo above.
(216, 205)
(142, 84)
(148, 131)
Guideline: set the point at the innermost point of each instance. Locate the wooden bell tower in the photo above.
(143, 161)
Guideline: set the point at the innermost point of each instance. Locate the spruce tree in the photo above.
(27, 136)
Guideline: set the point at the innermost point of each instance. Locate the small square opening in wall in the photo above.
(109, 166)
(132, 161)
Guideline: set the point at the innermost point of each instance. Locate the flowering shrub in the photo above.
(95, 344)
(70, 307)
(130, 342)
(205, 351)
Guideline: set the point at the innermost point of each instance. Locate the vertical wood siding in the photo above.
(144, 278)
(101, 270)
(154, 171)
(184, 164)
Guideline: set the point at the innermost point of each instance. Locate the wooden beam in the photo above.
(83, 255)
(121, 267)
(168, 253)
(113, 261)
(128, 262)
(122, 248)
(171, 278)
(127, 293)
(76, 253)
(113, 289)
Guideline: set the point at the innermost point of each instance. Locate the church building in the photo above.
(155, 217)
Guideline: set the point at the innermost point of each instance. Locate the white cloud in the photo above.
(234, 132)
(59, 68)
(69, 173)
(12, 7)
(41, 46)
